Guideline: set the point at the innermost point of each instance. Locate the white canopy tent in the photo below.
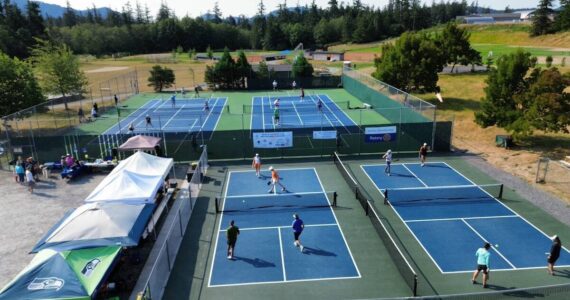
(127, 187)
(144, 163)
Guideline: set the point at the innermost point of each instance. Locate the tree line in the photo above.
(134, 30)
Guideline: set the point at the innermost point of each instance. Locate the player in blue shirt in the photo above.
(483, 255)
(298, 227)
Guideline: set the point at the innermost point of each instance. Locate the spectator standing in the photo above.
(20, 173)
(30, 179)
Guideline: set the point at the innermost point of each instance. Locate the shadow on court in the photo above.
(256, 262)
(320, 252)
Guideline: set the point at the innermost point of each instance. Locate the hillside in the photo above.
(56, 11)
(499, 38)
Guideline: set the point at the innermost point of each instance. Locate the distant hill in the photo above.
(56, 11)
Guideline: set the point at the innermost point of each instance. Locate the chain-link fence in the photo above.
(39, 131)
(554, 173)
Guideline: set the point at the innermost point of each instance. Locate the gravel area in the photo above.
(25, 217)
(549, 203)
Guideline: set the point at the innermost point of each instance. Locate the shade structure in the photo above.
(98, 224)
(62, 275)
(144, 163)
(127, 187)
(140, 142)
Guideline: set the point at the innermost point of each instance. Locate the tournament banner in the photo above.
(282, 139)
(380, 134)
(324, 135)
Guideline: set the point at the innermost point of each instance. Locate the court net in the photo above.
(447, 194)
(276, 202)
(305, 106)
(404, 267)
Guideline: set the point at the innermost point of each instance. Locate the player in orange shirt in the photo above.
(275, 181)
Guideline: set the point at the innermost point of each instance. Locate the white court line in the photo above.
(218, 234)
(279, 169)
(341, 111)
(135, 117)
(273, 195)
(192, 127)
(514, 212)
(336, 117)
(405, 224)
(278, 227)
(427, 188)
(399, 164)
(209, 114)
(321, 113)
(339, 228)
(284, 282)
(421, 181)
(219, 117)
(282, 255)
(174, 115)
(298, 115)
(457, 219)
(486, 241)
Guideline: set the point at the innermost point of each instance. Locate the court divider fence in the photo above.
(157, 278)
(400, 260)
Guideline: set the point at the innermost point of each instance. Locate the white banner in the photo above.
(324, 135)
(281, 139)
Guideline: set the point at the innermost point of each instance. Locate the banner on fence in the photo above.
(380, 134)
(281, 139)
(325, 135)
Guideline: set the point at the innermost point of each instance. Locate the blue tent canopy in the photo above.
(97, 225)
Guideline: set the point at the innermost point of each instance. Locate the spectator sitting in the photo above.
(69, 160)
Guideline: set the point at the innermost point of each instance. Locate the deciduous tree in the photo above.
(19, 88)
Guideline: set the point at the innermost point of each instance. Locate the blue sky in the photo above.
(249, 7)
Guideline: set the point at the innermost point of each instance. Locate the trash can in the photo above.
(505, 141)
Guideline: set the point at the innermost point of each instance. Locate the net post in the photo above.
(217, 205)
(501, 191)
(367, 209)
(335, 197)
(415, 287)
(385, 193)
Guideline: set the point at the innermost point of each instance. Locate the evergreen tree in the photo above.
(161, 78)
(412, 64)
(243, 68)
(263, 71)
(506, 80)
(217, 13)
(69, 16)
(541, 23)
(301, 67)
(35, 20)
(224, 73)
(544, 105)
(562, 21)
(18, 86)
(454, 42)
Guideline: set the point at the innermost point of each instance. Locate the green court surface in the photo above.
(236, 101)
(379, 276)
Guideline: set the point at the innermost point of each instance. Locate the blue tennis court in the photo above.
(451, 218)
(297, 113)
(265, 252)
(185, 115)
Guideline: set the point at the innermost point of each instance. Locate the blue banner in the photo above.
(380, 134)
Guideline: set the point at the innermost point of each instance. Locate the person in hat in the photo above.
(256, 164)
(423, 153)
(275, 181)
(388, 157)
(298, 227)
(554, 253)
